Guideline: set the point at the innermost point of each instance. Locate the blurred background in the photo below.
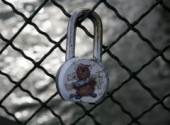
(129, 51)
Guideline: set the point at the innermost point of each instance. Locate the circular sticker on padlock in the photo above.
(83, 80)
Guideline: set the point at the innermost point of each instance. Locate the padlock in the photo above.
(80, 79)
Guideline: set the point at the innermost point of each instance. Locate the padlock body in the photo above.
(83, 80)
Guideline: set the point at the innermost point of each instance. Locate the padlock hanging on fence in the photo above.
(79, 79)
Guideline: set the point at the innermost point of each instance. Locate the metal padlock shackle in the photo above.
(71, 33)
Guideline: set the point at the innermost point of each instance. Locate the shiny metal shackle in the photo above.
(71, 32)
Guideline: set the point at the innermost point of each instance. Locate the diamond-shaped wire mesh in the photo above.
(135, 53)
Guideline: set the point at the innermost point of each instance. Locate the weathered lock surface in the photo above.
(79, 79)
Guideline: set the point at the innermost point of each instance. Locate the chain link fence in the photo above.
(145, 102)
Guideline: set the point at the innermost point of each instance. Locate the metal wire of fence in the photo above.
(106, 49)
